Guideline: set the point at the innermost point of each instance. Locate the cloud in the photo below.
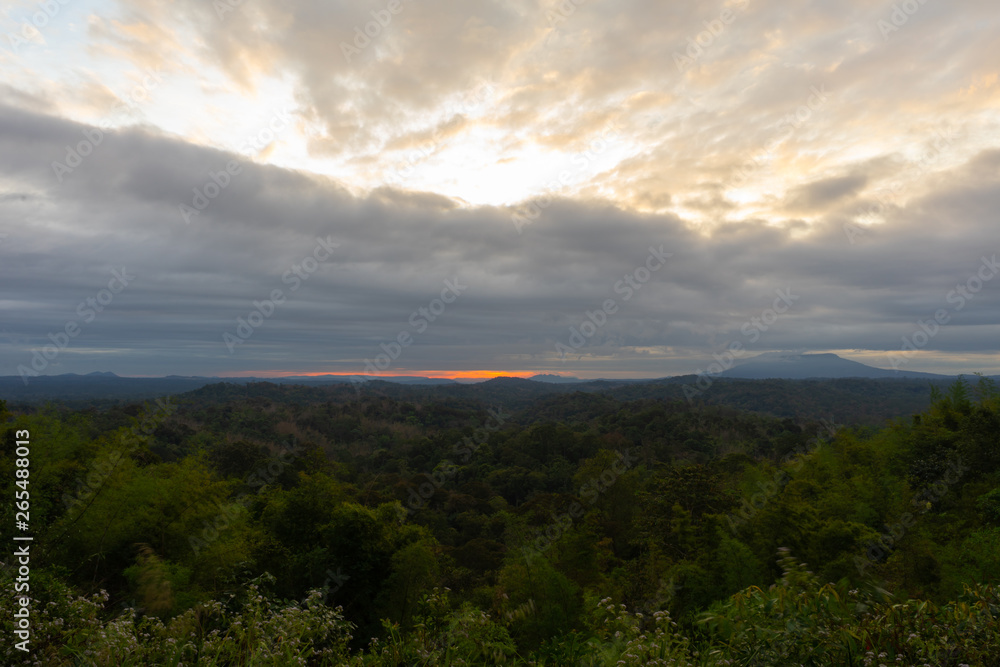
(798, 148)
(120, 207)
(819, 195)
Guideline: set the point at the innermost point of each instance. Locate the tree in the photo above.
(534, 584)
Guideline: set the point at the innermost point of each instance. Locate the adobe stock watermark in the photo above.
(372, 29)
(878, 551)
(664, 595)
(421, 494)
(929, 328)
(627, 286)
(562, 12)
(944, 137)
(127, 442)
(224, 7)
(229, 512)
(899, 17)
(590, 492)
(219, 181)
(212, 188)
(470, 444)
(469, 105)
(32, 30)
(86, 311)
(706, 38)
(334, 582)
(750, 506)
(789, 124)
(565, 177)
(446, 470)
(94, 136)
(263, 310)
(257, 143)
(752, 330)
(420, 320)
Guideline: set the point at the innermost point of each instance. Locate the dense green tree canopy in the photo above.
(262, 524)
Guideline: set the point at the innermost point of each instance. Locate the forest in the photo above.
(269, 524)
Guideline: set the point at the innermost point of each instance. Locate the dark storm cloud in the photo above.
(819, 195)
(121, 208)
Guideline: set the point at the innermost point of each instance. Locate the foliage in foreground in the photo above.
(796, 621)
(438, 533)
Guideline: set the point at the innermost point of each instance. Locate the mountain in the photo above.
(796, 366)
(734, 386)
(103, 385)
(556, 379)
(340, 379)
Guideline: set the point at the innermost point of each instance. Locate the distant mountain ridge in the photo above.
(802, 366)
(109, 386)
(104, 385)
(558, 379)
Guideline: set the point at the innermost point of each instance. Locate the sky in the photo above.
(594, 188)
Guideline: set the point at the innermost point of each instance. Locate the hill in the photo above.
(793, 366)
